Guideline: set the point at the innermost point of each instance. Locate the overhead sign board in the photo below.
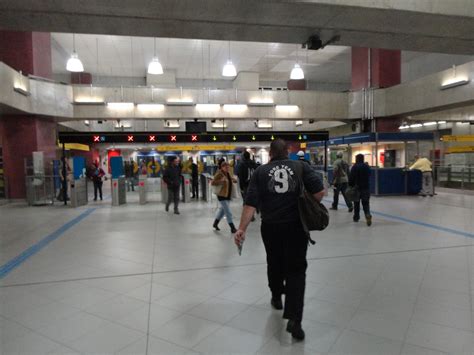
(182, 137)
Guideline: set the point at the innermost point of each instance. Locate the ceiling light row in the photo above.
(418, 125)
(200, 107)
(75, 65)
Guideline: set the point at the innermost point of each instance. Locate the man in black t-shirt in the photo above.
(274, 188)
(194, 179)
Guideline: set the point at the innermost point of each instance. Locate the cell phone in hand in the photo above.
(239, 247)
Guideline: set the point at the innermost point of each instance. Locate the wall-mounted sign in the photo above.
(460, 138)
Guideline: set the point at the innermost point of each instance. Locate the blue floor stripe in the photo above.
(21, 258)
(418, 223)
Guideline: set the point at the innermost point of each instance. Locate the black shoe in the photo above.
(176, 212)
(95, 199)
(215, 225)
(101, 198)
(167, 208)
(355, 219)
(333, 208)
(276, 302)
(351, 209)
(369, 220)
(232, 228)
(295, 329)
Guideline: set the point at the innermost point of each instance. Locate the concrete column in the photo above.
(29, 52)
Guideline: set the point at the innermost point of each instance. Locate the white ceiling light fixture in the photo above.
(297, 73)
(454, 81)
(404, 126)
(427, 124)
(229, 68)
(74, 64)
(441, 122)
(155, 67)
(416, 125)
(298, 123)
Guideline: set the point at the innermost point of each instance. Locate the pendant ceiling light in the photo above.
(229, 68)
(74, 64)
(297, 73)
(155, 67)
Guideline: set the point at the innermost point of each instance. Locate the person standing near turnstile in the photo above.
(194, 179)
(97, 175)
(172, 178)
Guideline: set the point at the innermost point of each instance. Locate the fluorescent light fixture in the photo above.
(229, 69)
(430, 124)
(298, 123)
(404, 127)
(120, 105)
(297, 73)
(86, 122)
(88, 102)
(441, 122)
(261, 102)
(288, 108)
(208, 107)
(235, 107)
(180, 102)
(219, 124)
(171, 124)
(151, 107)
(21, 91)
(74, 64)
(454, 83)
(416, 125)
(264, 124)
(155, 67)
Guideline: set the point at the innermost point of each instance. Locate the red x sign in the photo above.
(130, 138)
(194, 138)
(152, 138)
(173, 138)
(96, 138)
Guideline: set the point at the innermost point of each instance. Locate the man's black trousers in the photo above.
(286, 246)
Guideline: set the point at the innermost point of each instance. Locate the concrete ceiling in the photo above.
(118, 56)
(276, 21)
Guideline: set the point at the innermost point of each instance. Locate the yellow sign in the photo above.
(465, 138)
(188, 148)
(468, 149)
(75, 146)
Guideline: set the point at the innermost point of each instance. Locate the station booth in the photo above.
(388, 154)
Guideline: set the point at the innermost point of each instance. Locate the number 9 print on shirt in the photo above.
(282, 179)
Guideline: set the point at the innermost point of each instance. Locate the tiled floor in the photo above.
(137, 280)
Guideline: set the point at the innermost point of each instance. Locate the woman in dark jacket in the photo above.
(360, 179)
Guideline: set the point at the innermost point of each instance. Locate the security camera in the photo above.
(314, 42)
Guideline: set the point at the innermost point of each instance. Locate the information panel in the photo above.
(181, 137)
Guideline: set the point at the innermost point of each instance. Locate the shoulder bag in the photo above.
(313, 214)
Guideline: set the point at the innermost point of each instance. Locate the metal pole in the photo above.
(325, 155)
(64, 175)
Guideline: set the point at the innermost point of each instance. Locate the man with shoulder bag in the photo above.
(277, 189)
(340, 181)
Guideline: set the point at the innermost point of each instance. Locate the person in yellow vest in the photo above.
(425, 166)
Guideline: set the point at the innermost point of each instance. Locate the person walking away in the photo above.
(172, 178)
(359, 178)
(128, 167)
(245, 171)
(224, 179)
(301, 157)
(97, 178)
(340, 181)
(275, 188)
(425, 166)
(194, 179)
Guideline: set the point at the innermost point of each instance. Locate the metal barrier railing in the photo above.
(40, 189)
(455, 176)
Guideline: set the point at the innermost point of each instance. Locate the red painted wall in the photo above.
(22, 135)
(385, 67)
(29, 52)
(296, 84)
(388, 124)
(81, 78)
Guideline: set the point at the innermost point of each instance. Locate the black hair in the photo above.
(359, 158)
(246, 155)
(278, 149)
(172, 159)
